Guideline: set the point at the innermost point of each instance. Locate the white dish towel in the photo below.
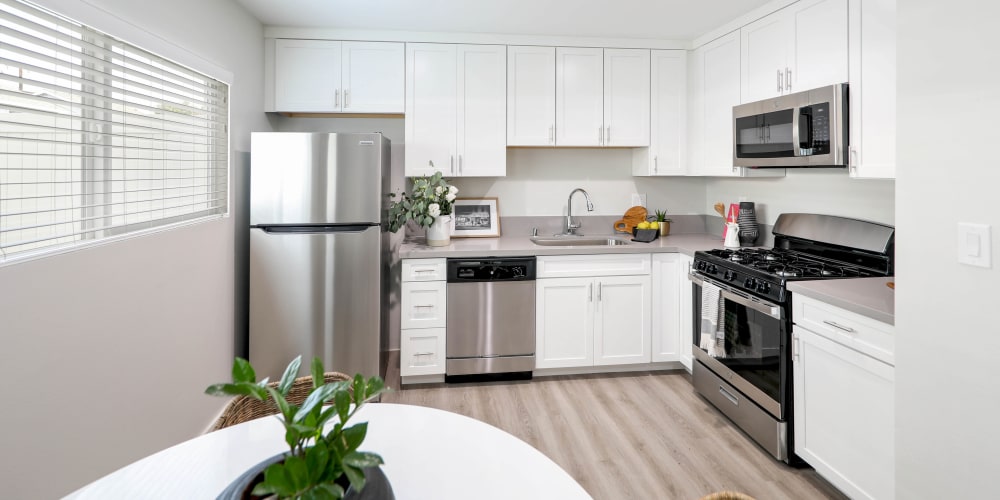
(712, 321)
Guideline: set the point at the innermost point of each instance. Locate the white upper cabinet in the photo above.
(800, 47)
(455, 110)
(873, 88)
(531, 96)
(579, 96)
(324, 76)
(626, 97)
(719, 79)
(667, 152)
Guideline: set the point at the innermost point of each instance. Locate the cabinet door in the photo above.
(840, 392)
(422, 351)
(531, 96)
(564, 326)
(482, 110)
(873, 88)
(819, 45)
(765, 45)
(423, 304)
(373, 77)
(696, 111)
(722, 92)
(579, 96)
(668, 109)
(686, 313)
(665, 308)
(626, 97)
(621, 320)
(307, 75)
(429, 128)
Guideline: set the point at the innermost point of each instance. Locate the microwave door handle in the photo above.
(795, 131)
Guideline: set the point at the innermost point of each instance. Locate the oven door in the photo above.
(748, 347)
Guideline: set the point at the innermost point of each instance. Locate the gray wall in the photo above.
(106, 350)
(947, 337)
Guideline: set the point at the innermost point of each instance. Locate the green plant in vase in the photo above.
(662, 222)
(429, 198)
(316, 459)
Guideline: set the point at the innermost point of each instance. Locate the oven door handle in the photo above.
(759, 306)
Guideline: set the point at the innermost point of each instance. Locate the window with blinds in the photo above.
(99, 138)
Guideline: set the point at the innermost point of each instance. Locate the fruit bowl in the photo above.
(645, 235)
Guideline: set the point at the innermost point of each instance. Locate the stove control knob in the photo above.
(750, 283)
(712, 269)
(763, 287)
(701, 266)
(730, 275)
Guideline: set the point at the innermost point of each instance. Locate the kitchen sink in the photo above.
(578, 241)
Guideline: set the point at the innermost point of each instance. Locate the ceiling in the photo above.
(655, 19)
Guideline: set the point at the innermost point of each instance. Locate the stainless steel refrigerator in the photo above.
(317, 250)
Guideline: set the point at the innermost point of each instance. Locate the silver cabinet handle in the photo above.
(788, 79)
(347, 98)
(853, 161)
(590, 292)
(424, 270)
(732, 399)
(779, 81)
(452, 164)
(608, 137)
(430, 163)
(840, 327)
(552, 134)
(423, 306)
(795, 347)
(600, 286)
(423, 354)
(336, 98)
(656, 165)
(459, 164)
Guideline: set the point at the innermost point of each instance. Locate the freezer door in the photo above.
(315, 295)
(304, 178)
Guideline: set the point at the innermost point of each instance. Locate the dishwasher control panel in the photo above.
(496, 269)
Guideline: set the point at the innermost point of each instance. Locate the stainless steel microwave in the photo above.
(804, 129)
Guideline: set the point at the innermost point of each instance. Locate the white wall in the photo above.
(821, 191)
(948, 340)
(106, 350)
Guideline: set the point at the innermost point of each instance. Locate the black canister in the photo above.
(747, 220)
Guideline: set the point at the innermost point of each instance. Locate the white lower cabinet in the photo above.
(592, 320)
(666, 307)
(423, 317)
(843, 401)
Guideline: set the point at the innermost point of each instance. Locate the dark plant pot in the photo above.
(377, 486)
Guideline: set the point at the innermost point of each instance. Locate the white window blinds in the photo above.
(99, 138)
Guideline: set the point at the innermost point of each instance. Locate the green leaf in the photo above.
(316, 397)
(356, 476)
(375, 387)
(279, 399)
(363, 459)
(297, 472)
(289, 376)
(335, 491)
(342, 403)
(242, 371)
(292, 435)
(316, 459)
(277, 480)
(237, 389)
(317, 372)
(358, 388)
(326, 415)
(354, 435)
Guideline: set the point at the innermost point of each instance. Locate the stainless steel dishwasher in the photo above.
(491, 316)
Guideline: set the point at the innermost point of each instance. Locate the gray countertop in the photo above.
(506, 246)
(869, 297)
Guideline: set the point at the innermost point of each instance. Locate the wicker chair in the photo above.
(244, 408)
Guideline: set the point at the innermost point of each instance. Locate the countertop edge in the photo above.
(844, 293)
(508, 246)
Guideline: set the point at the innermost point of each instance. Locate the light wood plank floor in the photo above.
(644, 435)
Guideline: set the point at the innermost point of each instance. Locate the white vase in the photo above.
(439, 234)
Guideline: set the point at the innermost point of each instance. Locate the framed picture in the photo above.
(476, 217)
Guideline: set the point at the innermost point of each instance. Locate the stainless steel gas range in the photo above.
(743, 315)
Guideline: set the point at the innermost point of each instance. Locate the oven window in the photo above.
(767, 135)
(751, 347)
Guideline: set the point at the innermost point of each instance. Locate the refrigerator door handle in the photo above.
(314, 228)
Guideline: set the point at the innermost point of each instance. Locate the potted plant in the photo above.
(320, 463)
(662, 222)
(429, 204)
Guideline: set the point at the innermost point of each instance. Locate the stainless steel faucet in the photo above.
(571, 228)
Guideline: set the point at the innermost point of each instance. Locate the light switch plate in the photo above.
(638, 199)
(974, 246)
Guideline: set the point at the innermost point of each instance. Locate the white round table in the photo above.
(428, 453)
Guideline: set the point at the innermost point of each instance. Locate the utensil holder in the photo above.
(747, 220)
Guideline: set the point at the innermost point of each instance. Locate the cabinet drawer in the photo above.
(423, 304)
(421, 352)
(425, 269)
(853, 330)
(570, 266)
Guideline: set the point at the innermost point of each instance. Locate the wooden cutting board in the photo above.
(633, 216)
